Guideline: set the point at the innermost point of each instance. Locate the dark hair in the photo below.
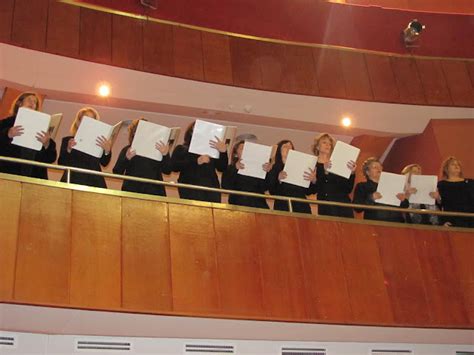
(188, 134)
(19, 102)
(278, 159)
(234, 157)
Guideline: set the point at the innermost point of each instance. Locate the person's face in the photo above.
(240, 148)
(416, 170)
(285, 148)
(454, 168)
(325, 146)
(375, 169)
(30, 102)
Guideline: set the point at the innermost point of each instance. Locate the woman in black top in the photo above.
(277, 185)
(8, 131)
(456, 194)
(366, 194)
(197, 169)
(232, 180)
(71, 157)
(331, 187)
(130, 164)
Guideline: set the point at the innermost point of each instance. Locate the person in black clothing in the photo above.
(197, 169)
(277, 185)
(366, 194)
(71, 157)
(130, 164)
(456, 194)
(232, 180)
(8, 131)
(331, 187)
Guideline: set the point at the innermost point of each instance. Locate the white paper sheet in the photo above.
(389, 186)
(33, 122)
(341, 155)
(204, 132)
(297, 164)
(424, 184)
(253, 157)
(88, 132)
(146, 136)
(54, 124)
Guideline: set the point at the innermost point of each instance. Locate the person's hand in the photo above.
(410, 191)
(352, 166)
(435, 195)
(267, 167)
(239, 165)
(203, 159)
(104, 143)
(401, 196)
(448, 224)
(162, 148)
(376, 196)
(15, 131)
(282, 175)
(70, 144)
(310, 175)
(44, 138)
(130, 153)
(218, 144)
(327, 165)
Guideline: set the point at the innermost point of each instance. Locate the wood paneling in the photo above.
(282, 269)
(95, 251)
(127, 42)
(158, 48)
(146, 264)
(329, 72)
(408, 80)
(95, 41)
(44, 240)
(245, 63)
(434, 82)
(187, 52)
(356, 76)
(459, 83)
(299, 74)
(272, 65)
(382, 79)
(217, 59)
(10, 192)
(63, 29)
(238, 262)
(6, 19)
(193, 260)
(29, 23)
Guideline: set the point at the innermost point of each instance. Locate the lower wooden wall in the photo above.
(113, 252)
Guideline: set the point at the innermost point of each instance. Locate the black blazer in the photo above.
(457, 197)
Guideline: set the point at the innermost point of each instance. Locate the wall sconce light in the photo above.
(411, 33)
(152, 4)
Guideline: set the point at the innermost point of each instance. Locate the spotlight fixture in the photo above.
(151, 4)
(103, 90)
(346, 121)
(411, 33)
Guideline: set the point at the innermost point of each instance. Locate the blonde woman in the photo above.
(71, 157)
(8, 131)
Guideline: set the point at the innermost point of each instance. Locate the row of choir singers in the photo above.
(455, 193)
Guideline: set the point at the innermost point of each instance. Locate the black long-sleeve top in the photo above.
(332, 187)
(232, 180)
(284, 189)
(145, 168)
(8, 149)
(457, 196)
(190, 172)
(82, 160)
(363, 195)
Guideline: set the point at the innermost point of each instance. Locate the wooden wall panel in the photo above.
(382, 79)
(402, 274)
(272, 63)
(127, 42)
(95, 251)
(238, 262)
(30, 20)
(434, 82)
(443, 289)
(356, 76)
(217, 59)
(9, 96)
(325, 282)
(158, 54)
(245, 63)
(299, 74)
(408, 80)
(282, 269)
(146, 263)
(95, 41)
(459, 82)
(187, 51)
(6, 19)
(329, 72)
(63, 29)
(44, 246)
(193, 260)
(368, 294)
(10, 192)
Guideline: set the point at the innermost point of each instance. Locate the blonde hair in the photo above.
(409, 168)
(82, 112)
(317, 139)
(366, 165)
(445, 166)
(132, 129)
(18, 102)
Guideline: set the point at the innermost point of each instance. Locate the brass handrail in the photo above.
(288, 199)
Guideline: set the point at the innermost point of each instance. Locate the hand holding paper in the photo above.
(342, 159)
(147, 138)
(390, 185)
(254, 157)
(424, 185)
(296, 165)
(28, 124)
